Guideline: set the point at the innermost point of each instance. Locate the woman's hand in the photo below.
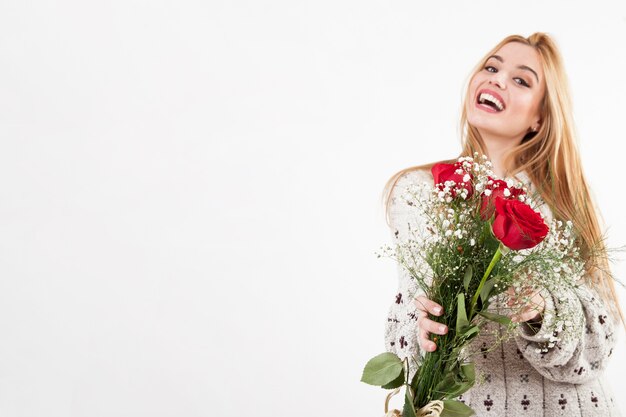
(527, 306)
(427, 326)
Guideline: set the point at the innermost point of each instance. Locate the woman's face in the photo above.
(506, 95)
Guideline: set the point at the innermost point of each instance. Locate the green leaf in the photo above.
(416, 380)
(382, 369)
(469, 371)
(458, 389)
(453, 408)
(468, 277)
(461, 314)
(469, 332)
(486, 291)
(504, 320)
(464, 379)
(445, 385)
(398, 382)
(409, 409)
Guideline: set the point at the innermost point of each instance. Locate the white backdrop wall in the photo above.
(190, 190)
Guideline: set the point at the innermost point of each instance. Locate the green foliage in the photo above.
(383, 369)
(461, 314)
(468, 277)
(485, 293)
(469, 333)
(409, 409)
(457, 262)
(452, 408)
(396, 383)
(469, 371)
(504, 320)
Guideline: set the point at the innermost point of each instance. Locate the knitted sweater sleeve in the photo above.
(575, 339)
(401, 328)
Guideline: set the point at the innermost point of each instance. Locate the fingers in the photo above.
(432, 326)
(529, 308)
(424, 304)
(425, 343)
(525, 315)
(427, 326)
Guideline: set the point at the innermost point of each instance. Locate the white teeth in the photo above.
(485, 96)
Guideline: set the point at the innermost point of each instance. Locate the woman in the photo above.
(517, 111)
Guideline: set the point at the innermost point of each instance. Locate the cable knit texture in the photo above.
(518, 377)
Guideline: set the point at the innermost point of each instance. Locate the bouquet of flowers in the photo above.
(481, 237)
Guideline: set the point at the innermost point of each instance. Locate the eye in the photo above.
(523, 82)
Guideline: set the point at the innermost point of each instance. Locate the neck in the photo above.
(497, 149)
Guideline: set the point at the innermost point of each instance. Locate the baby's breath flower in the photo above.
(453, 236)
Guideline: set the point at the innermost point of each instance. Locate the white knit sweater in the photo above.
(517, 378)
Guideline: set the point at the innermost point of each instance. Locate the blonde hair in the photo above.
(551, 159)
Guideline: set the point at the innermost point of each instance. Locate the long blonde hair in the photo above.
(551, 159)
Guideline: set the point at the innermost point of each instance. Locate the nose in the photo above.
(498, 79)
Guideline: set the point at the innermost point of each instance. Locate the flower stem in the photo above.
(492, 264)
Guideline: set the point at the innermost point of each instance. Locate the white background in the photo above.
(190, 191)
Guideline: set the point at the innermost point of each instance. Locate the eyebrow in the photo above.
(524, 67)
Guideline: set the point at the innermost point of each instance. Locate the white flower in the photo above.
(507, 193)
(466, 178)
(487, 193)
(472, 242)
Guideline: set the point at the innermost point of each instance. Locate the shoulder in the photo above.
(415, 176)
(406, 186)
(402, 188)
(405, 180)
(401, 182)
(411, 176)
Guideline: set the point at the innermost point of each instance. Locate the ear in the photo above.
(537, 125)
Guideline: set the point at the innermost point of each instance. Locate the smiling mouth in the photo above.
(490, 102)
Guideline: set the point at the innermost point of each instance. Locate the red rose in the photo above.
(497, 189)
(448, 172)
(517, 225)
